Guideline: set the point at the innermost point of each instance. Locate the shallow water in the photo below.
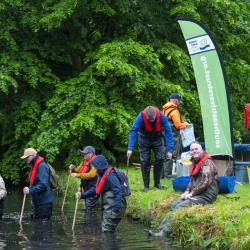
(58, 234)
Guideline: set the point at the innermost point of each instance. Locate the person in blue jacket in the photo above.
(109, 188)
(148, 127)
(40, 190)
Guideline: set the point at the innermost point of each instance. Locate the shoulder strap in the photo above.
(170, 111)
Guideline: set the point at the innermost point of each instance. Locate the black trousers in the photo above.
(43, 212)
(147, 142)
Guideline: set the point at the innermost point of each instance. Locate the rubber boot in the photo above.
(145, 177)
(157, 174)
(159, 234)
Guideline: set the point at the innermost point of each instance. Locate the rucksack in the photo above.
(123, 180)
(54, 180)
(247, 116)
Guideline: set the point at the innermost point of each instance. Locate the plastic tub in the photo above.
(227, 184)
(182, 169)
(240, 172)
(181, 183)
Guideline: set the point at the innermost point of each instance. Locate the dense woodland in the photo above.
(75, 73)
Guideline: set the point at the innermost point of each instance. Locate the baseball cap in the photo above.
(176, 96)
(28, 152)
(88, 149)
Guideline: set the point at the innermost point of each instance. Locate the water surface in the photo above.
(58, 234)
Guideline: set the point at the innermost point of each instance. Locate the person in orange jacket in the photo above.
(170, 110)
(87, 175)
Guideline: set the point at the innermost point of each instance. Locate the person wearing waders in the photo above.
(87, 174)
(148, 127)
(41, 193)
(203, 187)
(170, 110)
(3, 193)
(109, 188)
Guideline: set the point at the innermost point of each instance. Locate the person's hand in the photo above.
(186, 123)
(26, 190)
(78, 195)
(169, 155)
(186, 195)
(129, 153)
(73, 174)
(113, 213)
(71, 167)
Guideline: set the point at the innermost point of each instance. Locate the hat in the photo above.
(28, 152)
(100, 163)
(176, 96)
(88, 149)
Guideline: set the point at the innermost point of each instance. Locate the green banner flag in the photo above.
(212, 87)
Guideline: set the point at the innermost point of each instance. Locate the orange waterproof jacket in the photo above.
(175, 115)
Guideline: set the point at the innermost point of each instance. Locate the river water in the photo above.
(58, 234)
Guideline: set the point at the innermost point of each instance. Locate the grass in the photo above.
(222, 225)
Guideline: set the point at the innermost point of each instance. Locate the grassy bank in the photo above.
(223, 225)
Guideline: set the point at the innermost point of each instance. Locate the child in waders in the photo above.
(3, 193)
(108, 186)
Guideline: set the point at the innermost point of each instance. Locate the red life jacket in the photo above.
(194, 170)
(100, 184)
(85, 165)
(247, 116)
(34, 169)
(157, 122)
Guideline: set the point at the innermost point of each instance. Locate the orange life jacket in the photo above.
(34, 169)
(157, 122)
(85, 165)
(195, 169)
(100, 184)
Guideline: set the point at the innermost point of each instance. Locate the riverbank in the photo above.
(223, 225)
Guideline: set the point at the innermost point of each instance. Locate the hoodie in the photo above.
(175, 115)
(112, 182)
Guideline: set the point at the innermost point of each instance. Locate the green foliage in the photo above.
(78, 72)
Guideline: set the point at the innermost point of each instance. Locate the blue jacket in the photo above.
(112, 183)
(40, 191)
(138, 123)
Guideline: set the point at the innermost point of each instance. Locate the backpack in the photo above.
(123, 180)
(247, 116)
(54, 180)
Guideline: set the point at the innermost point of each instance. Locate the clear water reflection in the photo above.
(57, 233)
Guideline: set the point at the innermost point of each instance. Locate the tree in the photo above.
(75, 73)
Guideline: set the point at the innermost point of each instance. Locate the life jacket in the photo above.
(85, 165)
(195, 169)
(100, 183)
(157, 121)
(34, 169)
(247, 116)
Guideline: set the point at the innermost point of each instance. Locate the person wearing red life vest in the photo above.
(88, 176)
(40, 190)
(170, 110)
(148, 127)
(202, 189)
(108, 186)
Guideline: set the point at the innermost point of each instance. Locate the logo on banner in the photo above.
(199, 44)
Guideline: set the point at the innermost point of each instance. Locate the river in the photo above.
(58, 234)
